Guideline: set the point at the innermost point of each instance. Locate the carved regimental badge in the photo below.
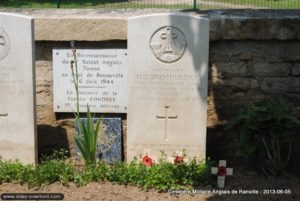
(4, 44)
(168, 44)
(105, 139)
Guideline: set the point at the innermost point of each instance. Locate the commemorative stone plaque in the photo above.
(102, 80)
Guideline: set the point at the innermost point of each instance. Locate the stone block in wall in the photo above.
(296, 69)
(238, 83)
(231, 69)
(44, 80)
(246, 56)
(296, 111)
(275, 85)
(295, 86)
(272, 69)
(212, 115)
(44, 73)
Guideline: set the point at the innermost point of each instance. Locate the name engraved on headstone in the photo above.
(11, 81)
(171, 84)
(102, 80)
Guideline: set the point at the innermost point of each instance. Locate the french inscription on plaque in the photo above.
(102, 80)
(17, 89)
(168, 71)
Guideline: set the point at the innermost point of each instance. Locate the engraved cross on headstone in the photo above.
(166, 118)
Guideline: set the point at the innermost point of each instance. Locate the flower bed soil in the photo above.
(270, 189)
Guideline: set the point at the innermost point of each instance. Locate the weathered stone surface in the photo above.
(247, 55)
(296, 84)
(253, 83)
(249, 27)
(296, 69)
(275, 85)
(262, 51)
(237, 83)
(167, 80)
(97, 25)
(44, 73)
(272, 69)
(296, 111)
(81, 29)
(17, 91)
(231, 69)
(212, 114)
(44, 93)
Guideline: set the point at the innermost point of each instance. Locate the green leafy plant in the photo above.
(86, 139)
(264, 132)
(162, 176)
(51, 169)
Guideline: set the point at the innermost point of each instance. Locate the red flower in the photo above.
(147, 161)
(222, 171)
(178, 160)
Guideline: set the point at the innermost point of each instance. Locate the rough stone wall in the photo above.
(243, 71)
(246, 71)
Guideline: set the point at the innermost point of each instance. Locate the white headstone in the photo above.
(102, 77)
(168, 71)
(17, 90)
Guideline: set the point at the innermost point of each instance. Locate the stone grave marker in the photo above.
(17, 89)
(167, 77)
(109, 146)
(102, 80)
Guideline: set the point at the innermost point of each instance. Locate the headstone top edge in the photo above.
(168, 14)
(87, 48)
(17, 15)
